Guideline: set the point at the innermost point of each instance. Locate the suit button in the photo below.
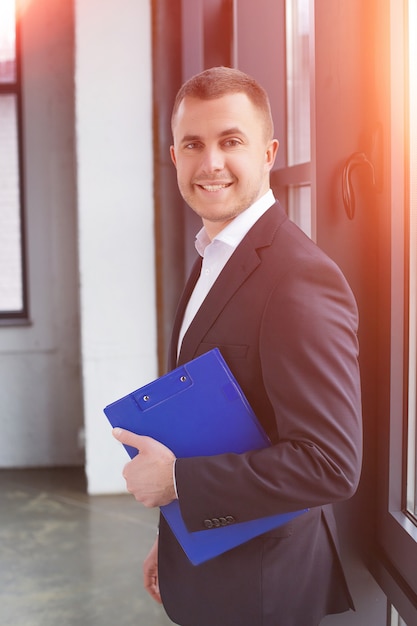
(208, 523)
(216, 522)
(230, 519)
(223, 521)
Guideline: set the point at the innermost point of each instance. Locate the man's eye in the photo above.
(191, 146)
(232, 143)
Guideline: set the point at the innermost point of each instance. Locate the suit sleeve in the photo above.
(307, 350)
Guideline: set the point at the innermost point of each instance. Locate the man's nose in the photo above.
(213, 159)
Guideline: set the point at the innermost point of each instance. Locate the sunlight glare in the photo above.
(7, 29)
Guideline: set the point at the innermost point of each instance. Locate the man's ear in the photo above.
(271, 152)
(173, 157)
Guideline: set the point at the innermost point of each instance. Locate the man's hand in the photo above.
(150, 573)
(149, 475)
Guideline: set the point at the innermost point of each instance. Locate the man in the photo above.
(285, 320)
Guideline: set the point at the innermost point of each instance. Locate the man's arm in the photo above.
(305, 347)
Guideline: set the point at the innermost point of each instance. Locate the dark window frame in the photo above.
(14, 88)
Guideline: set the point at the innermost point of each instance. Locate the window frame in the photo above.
(20, 316)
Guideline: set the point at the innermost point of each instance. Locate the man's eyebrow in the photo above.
(235, 130)
(190, 138)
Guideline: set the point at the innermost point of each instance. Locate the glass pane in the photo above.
(7, 41)
(298, 81)
(412, 244)
(11, 292)
(299, 207)
(396, 619)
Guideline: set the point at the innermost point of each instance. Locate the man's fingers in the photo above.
(129, 438)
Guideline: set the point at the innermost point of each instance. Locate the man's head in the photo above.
(220, 81)
(223, 145)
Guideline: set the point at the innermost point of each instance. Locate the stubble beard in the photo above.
(216, 214)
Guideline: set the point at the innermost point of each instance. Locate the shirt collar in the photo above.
(234, 232)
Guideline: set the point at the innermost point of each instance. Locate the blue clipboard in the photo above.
(198, 409)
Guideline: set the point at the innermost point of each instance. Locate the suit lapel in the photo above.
(241, 264)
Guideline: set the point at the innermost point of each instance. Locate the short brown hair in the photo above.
(220, 81)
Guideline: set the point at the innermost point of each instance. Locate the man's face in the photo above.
(222, 155)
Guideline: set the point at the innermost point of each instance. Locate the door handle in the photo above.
(355, 159)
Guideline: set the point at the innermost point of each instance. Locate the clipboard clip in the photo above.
(150, 395)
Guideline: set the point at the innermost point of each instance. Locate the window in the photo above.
(294, 179)
(298, 107)
(13, 305)
(298, 81)
(411, 244)
(394, 618)
(397, 514)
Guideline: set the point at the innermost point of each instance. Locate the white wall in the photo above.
(113, 85)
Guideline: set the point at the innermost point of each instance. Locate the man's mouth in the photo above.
(215, 187)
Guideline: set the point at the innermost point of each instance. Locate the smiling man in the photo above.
(285, 320)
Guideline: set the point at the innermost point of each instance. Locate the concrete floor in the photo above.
(69, 559)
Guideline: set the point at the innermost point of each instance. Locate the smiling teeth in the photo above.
(214, 187)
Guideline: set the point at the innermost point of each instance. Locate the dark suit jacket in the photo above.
(285, 320)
